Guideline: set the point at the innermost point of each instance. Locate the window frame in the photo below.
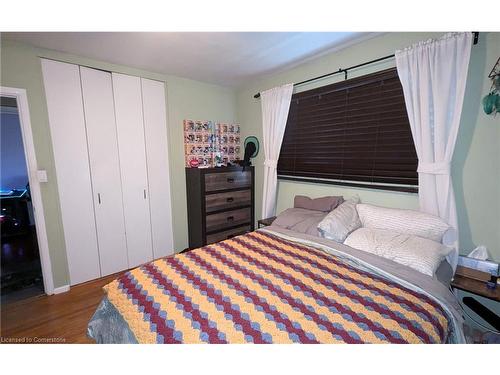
(345, 86)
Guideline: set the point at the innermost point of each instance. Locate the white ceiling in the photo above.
(228, 59)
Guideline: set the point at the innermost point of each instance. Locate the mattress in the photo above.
(275, 286)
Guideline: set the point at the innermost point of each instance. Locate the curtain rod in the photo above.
(256, 96)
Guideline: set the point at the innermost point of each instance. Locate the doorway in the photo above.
(24, 250)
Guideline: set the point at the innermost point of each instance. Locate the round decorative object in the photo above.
(255, 141)
(489, 103)
(193, 163)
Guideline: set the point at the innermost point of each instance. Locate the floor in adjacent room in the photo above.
(63, 316)
(21, 271)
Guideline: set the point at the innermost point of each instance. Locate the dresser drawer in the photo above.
(226, 219)
(227, 180)
(227, 234)
(222, 201)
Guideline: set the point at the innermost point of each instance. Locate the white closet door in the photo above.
(99, 110)
(155, 130)
(130, 128)
(69, 143)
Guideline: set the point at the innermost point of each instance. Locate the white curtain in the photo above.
(433, 76)
(275, 105)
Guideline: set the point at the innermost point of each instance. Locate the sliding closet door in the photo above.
(99, 110)
(155, 130)
(69, 144)
(130, 128)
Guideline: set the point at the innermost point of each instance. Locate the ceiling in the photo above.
(224, 58)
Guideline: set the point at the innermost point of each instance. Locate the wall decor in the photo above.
(491, 102)
(227, 144)
(198, 143)
(210, 144)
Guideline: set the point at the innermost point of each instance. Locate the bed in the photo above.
(276, 286)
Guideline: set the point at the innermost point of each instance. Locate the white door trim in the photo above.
(36, 194)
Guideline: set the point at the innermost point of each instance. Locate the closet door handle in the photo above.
(144, 193)
(99, 198)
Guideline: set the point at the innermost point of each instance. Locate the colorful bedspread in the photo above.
(260, 288)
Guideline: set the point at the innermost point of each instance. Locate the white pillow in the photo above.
(341, 221)
(416, 252)
(411, 222)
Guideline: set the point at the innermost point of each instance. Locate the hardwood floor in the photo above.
(58, 318)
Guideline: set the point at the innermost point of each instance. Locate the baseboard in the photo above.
(61, 289)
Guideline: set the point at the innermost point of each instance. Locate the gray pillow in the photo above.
(340, 222)
(300, 220)
(324, 204)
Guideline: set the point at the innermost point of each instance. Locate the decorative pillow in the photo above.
(416, 252)
(410, 222)
(324, 204)
(341, 221)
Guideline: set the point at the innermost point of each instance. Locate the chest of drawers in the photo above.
(220, 203)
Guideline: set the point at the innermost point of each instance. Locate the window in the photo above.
(353, 133)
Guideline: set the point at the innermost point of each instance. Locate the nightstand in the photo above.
(478, 288)
(265, 222)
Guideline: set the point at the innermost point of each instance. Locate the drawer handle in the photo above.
(230, 199)
(230, 218)
(230, 180)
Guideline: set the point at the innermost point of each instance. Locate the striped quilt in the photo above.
(260, 288)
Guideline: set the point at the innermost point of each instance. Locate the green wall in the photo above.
(20, 68)
(476, 171)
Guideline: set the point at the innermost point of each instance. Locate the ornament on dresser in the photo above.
(251, 147)
(210, 144)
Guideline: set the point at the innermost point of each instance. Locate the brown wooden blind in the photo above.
(352, 132)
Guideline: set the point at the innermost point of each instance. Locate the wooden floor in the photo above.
(62, 317)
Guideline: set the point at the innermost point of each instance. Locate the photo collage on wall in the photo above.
(210, 144)
(227, 143)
